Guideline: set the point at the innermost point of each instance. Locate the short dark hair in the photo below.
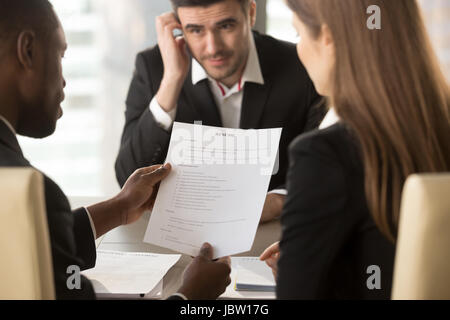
(18, 15)
(203, 3)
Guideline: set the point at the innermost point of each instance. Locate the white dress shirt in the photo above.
(228, 100)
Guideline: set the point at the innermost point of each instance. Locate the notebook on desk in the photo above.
(253, 275)
(250, 279)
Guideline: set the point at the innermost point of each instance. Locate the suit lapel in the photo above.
(256, 95)
(199, 96)
(9, 139)
(253, 104)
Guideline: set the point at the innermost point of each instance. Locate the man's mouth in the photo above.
(218, 62)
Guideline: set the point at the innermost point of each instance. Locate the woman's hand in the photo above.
(271, 256)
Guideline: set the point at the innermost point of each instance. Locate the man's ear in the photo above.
(26, 49)
(252, 13)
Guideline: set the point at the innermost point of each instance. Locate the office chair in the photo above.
(26, 271)
(422, 265)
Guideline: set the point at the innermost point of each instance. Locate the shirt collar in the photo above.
(330, 119)
(252, 72)
(8, 136)
(8, 124)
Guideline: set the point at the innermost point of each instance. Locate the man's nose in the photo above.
(214, 43)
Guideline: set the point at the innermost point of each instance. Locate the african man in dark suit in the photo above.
(31, 91)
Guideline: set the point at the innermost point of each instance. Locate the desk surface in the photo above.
(129, 239)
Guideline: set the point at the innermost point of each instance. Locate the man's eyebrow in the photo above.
(226, 21)
(221, 22)
(194, 26)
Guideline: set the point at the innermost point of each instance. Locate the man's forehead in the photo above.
(210, 15)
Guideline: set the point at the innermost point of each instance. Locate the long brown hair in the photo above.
(388, 88)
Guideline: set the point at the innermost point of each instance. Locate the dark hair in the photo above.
(18, 15)
(203, 3)
(389, 89)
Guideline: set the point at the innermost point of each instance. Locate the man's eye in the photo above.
(226, 26)
(196, 31)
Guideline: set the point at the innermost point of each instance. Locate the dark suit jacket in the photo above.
(285, 100)
(329, 238)
(72, 241)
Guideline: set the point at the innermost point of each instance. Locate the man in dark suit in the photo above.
(222, 74)
(32, 43)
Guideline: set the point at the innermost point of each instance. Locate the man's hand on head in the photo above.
(175, 58)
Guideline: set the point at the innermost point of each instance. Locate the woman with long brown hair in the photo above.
(345, 182)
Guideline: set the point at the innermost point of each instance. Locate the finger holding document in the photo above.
(205, 279)
(137, 196)
(139, 192)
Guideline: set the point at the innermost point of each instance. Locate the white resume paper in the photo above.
(216, 190)
(130, 273)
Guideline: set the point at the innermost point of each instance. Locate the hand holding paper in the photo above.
(204, 278)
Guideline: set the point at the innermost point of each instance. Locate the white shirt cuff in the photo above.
(94, 232)
(163, 118)
(282, 192)
(182, 296)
